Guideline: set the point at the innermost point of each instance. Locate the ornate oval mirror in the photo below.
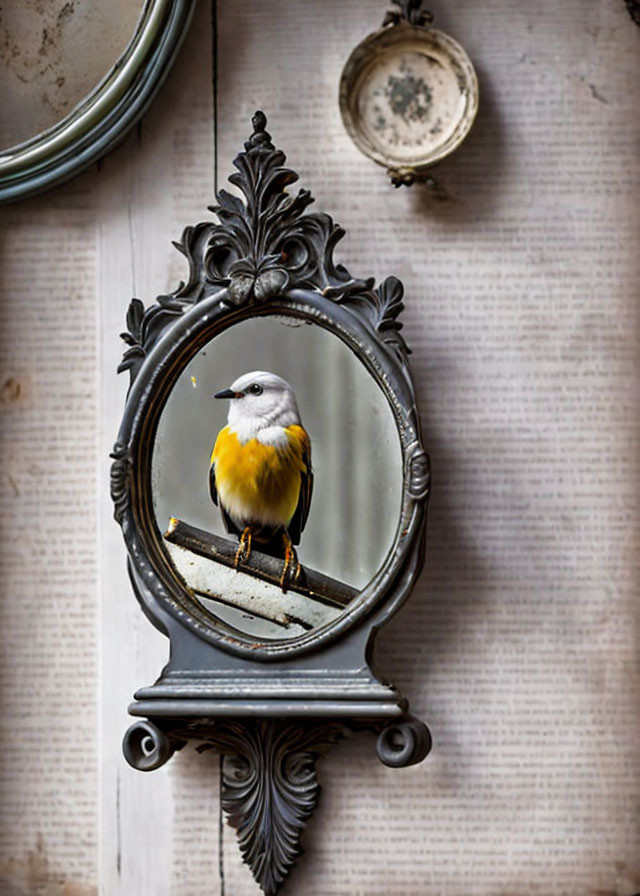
(266, 308)
(271, 486)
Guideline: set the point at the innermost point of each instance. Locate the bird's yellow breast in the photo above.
(258, 482)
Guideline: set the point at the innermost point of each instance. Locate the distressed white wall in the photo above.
(519, 645)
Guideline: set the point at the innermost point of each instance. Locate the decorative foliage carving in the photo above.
(269, 788)
(134, 335)
(411, 12)
(381, 308)
(144, 327)
(263, 246)
(119, 480)
(267, 242)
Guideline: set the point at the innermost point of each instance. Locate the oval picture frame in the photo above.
(105, 116)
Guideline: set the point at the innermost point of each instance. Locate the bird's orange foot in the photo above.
(292, 568)
(244, 548)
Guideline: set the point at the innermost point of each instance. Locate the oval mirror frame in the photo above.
(104, 117)
(283, 266)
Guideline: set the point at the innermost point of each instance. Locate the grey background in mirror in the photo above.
(356, 451)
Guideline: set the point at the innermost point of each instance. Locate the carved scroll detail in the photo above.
(419, 473)
(269, 789)
(119, 480)
(264, 245)
(404, 742)
(146, 747)
(269, 786)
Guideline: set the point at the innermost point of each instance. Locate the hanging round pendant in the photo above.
(408, 95)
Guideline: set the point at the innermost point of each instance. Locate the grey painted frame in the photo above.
(104, 117)
(272, 704)
(163, 364)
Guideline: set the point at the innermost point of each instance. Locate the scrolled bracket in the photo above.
(402, 743)
(146, 747)
(269, 787)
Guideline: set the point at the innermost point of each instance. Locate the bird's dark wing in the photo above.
(229, 525)
(213, 491)
(299, 518)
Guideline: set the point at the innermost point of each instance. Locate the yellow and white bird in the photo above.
(260, 471)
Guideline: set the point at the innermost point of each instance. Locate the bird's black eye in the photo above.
(256, 389)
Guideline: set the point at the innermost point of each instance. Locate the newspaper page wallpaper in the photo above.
(519, 645)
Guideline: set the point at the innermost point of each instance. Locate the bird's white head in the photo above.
(259, 400)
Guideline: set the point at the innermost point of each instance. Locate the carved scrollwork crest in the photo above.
(265, 244)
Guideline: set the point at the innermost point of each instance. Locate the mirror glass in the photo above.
(354, 510)
(53, 55)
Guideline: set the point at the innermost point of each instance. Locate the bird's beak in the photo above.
(226, 393)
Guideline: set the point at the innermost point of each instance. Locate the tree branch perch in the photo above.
(312, 584)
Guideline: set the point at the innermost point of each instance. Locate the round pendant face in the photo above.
(408, 97)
